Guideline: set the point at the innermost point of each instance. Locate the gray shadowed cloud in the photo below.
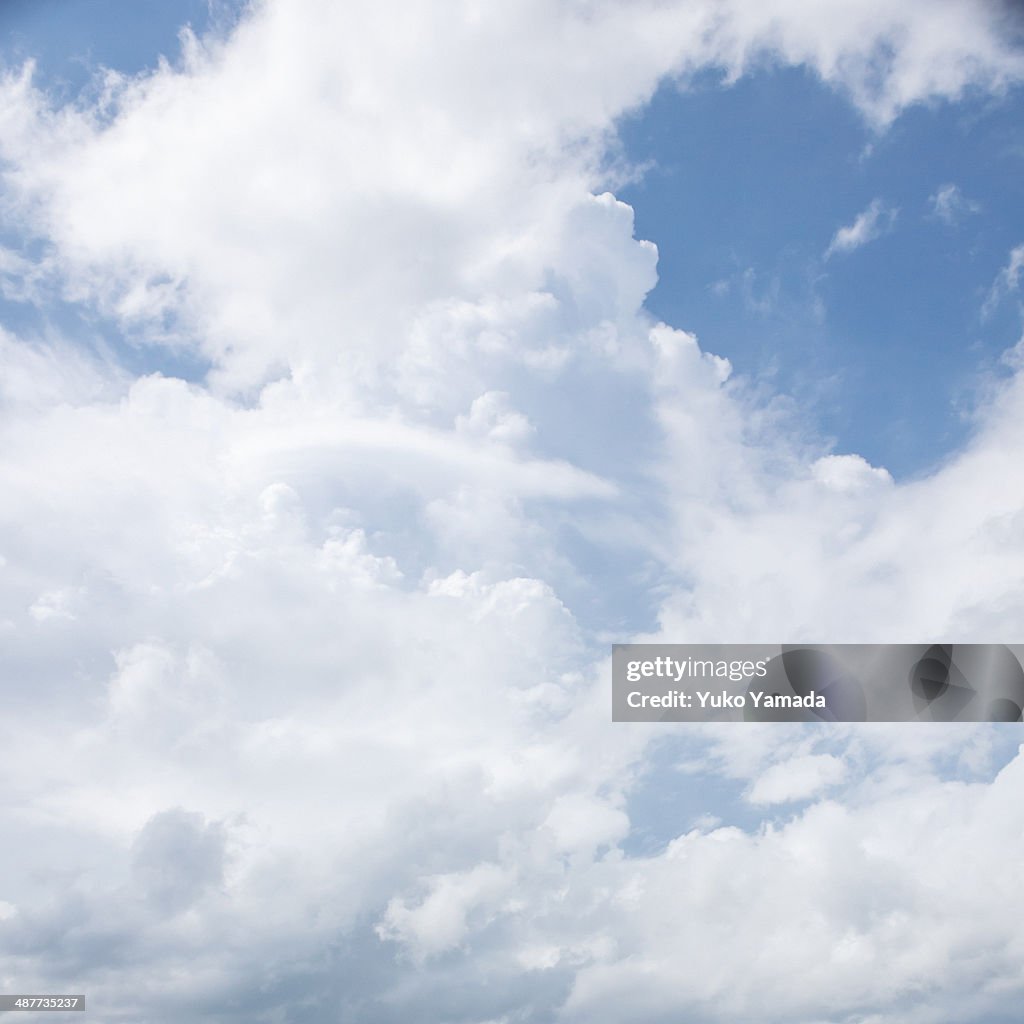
(177, 857)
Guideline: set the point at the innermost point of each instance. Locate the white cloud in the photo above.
(331, 711)
(1007, 281)
(54, 604)
(950, 205)
(441, 920)
(848, 473)
(797, 779)
(845, 891)
(868, 225)
(832, 548)
(490, 416)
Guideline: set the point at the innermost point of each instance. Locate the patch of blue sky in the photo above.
(684, 786)
(881, 345)
(70, 42)
(70, 39)
(101, 335)
(665, 803)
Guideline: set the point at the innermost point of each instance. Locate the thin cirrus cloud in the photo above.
(871, 223)
(307, 694)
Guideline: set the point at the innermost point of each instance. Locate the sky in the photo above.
(883, 343)
(367, 371)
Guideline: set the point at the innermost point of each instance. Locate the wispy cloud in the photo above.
(950, 205)
(1007, 281)
(867, 226)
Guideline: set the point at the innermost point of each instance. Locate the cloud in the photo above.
(845, 896)
(950, 205)
(848, 473)
(164, 225)
(307, 654)
(866, 227)
(798, 779)
(799, 540)
(176, 856)
(490, 416)
(1007, 281)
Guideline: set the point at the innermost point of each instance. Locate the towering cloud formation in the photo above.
(304, 645)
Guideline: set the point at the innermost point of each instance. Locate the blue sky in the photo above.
(347, 419)
(71, 42)
(881, 347)
(70, 38)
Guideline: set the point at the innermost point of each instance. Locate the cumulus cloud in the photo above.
(868, 225)
(307, 655)
(797, 779)
(849, 473)
(845, 894)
